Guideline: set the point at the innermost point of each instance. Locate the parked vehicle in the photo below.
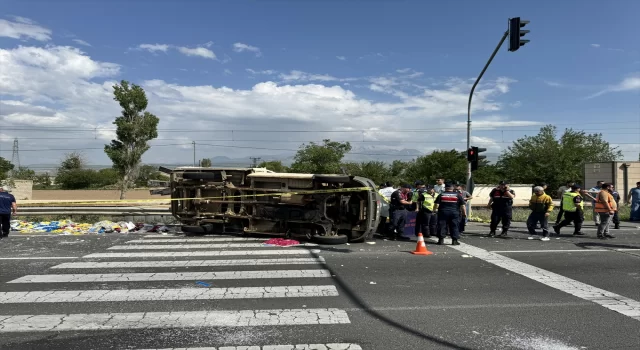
(330, 209)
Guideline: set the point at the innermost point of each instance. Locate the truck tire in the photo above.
(193, 229)
(337, 239)
(332, 179)
(202, 176)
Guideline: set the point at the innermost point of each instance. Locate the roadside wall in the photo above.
(21, 189)
(481, 194)
(61, 195)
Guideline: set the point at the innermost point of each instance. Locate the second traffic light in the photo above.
(474, 157)
(516, 33)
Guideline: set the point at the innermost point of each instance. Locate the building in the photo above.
(623, 175)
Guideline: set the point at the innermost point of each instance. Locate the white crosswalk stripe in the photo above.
(175, 255)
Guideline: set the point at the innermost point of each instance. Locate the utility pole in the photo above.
(255, 161)
(194, 152)
(15, 157)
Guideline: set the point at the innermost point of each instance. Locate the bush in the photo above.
(520, 214)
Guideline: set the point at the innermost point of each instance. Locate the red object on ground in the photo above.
(282, 242)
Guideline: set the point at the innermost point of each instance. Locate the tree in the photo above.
(320, 159)
(24, 173)
(546, 158)
(377, 171)
(42, 181)
(450, 165)
(147, 173)
(134, 129)
(72, 175)
(72, 161)
(205, 162)
(275, 165)
(5, 168)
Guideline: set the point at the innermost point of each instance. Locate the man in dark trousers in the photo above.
(416, 197)
(7, 207)
(398, 211)
(450, 207)
(573, 206)
(616, 197)
(426, 213)
(501, 204)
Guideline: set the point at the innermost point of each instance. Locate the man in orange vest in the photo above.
(605, 207)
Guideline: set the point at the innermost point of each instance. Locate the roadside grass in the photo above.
(521, 214)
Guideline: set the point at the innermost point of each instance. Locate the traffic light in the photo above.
(516, 33)
(474, 157)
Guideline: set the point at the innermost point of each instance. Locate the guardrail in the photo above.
(107, 211)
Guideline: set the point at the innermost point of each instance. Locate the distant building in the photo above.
(623, 175)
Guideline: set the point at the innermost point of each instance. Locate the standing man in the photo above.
(398, 211)
(462, 189)
(439, 187)
(616, 198)
(634, 201)
(385, 192)
(561, 191)
(573, 205)
(450, 207)
(501, 204)
(605, 207)
(541, 206)
(417, 198)
(593, 193)
(8, 206)
(429, 220)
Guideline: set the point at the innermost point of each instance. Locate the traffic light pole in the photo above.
(504, 37)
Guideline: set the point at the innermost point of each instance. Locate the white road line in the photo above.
(187, 263)
(612, 301)
(187, 246)
(192, 240)
(178, 319)
(204, 253)
(172, 276)
(41, 258)
(552, 251)
(80, 296)
(627, 249)
(330, 346)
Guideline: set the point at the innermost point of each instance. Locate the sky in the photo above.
(259, 78)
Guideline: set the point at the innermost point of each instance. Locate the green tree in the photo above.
(42, 181)
(5, 168)
(205, 162)
(377, 171)
(146, 173)
(545, 157)
(275, 165)
(320, 159)
(24, 173)
(135, 127)
(488, 174)
(450, 165)
(105, 177)
(72, 175)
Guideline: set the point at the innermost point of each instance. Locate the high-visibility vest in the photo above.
(568, 204)
(600, 207)
(429, 200)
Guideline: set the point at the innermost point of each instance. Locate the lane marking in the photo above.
(479, 306)
(552, 251)
(80, 296)
(330, 346)
(182, 240)
(187, 246)
(172, 276)
(627, 249)
(609, 300)
(204, 253)
(187, 263)
(41, 258)
(178, 319)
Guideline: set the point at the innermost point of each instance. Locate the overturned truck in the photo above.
(329, 209)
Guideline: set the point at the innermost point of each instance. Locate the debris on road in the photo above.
(204, 284)
(282, 242)
(68, 227)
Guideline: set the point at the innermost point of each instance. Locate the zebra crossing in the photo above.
(228, 270)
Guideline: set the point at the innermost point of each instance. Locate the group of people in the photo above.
(440, 209)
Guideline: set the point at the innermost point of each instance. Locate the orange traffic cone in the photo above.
(421, 248)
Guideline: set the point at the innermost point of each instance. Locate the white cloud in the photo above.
(23, 28)
(516, 104)
(198, 51)
(228, 72)
(262, 72)
(81, 42)
(64, 87)
(341, 58)
(595, 45)
(240, 47)
(627, 84)
(208, 44)
(552, 83)
(403, 70)
(154, 47)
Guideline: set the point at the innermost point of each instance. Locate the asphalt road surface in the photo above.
(169, 291)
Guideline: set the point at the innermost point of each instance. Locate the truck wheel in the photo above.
(193, 229)
(202, 176)
(337, 239)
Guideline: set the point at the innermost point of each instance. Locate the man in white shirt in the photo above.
(439, 187)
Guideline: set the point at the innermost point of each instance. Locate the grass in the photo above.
(521, 214)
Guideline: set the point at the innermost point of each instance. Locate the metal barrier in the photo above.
(106, 211)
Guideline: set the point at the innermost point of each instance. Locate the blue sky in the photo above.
(317, 65)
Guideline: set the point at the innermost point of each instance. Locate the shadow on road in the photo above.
(383, 318)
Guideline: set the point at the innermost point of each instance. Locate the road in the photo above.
(164, 291)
